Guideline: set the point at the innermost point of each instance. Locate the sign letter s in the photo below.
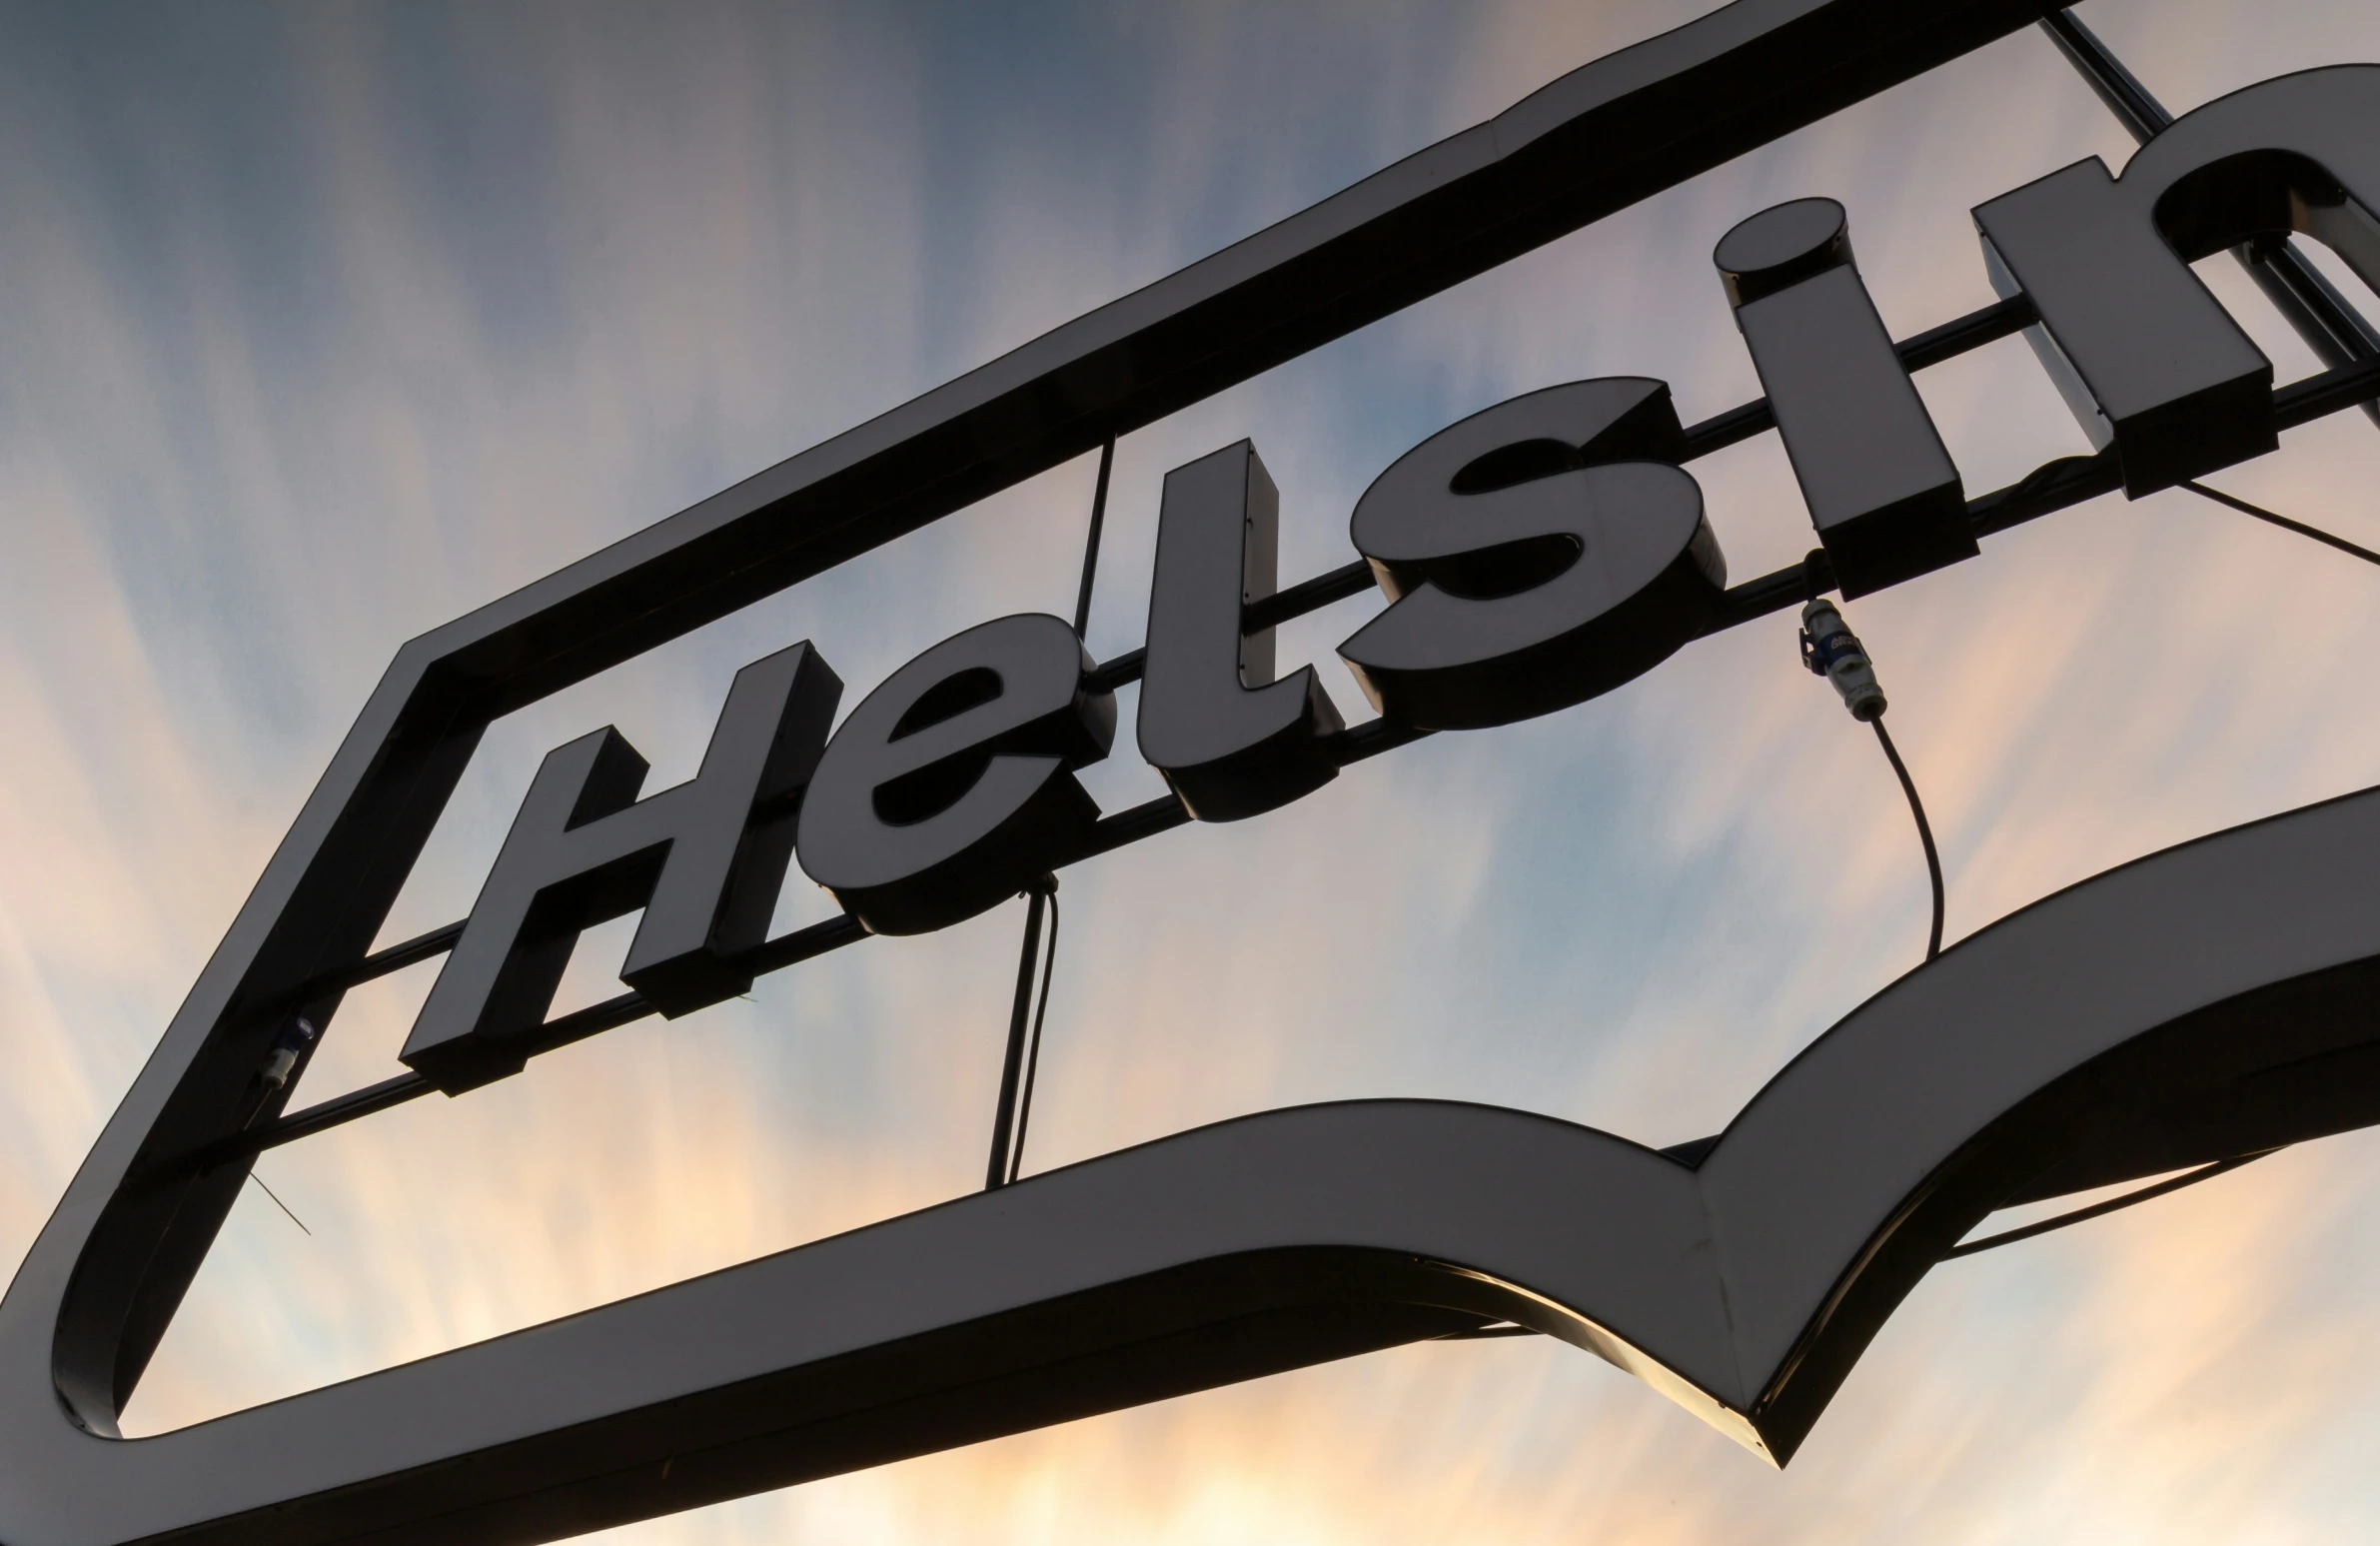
(1537, 554)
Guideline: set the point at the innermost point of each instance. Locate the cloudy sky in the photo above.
(323, 323)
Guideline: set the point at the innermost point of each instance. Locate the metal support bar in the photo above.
(379, 964)
(1987, 324)
(2101, 1209)
(1932, 347)
(784, 951)
(317, 1118)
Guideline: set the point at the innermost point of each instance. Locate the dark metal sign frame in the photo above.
(2119, 1028)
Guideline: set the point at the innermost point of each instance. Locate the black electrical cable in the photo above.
(2283, 522)
(1831, 649)
(1090, 544)
(1934, 860)
(1024, 1100)
(1015, 1151)
(995, 1170)
(2101, 1209)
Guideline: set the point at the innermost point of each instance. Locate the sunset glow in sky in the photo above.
(323, 323)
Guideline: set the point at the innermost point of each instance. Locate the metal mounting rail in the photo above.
(2054, 486)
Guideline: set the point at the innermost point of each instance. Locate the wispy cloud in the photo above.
(325, 324)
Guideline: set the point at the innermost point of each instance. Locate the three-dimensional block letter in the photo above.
(1230, 741)
(2145, 357)
(951, 786)
(1536, 553)
(704, 859)
(1879, 485)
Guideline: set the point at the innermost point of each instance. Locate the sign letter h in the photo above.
(704, 859)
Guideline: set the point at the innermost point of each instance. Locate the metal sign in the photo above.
(2198, 1007)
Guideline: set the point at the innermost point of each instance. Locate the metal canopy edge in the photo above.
(1744, 1286)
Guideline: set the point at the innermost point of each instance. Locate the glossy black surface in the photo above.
(1881, 490)
(704, 859)
(2146, 357)
(1781, 246)
(1229, 740)
(952, 786)
(1537, 554)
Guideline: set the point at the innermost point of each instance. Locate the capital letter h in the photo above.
(704, 860)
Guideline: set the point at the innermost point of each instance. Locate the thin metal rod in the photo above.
(1126, 667)
(312, 1120)
(1932, 347)
(578, 1025)
(594, 1020)
(1308, 596)
(2283, 522)
(995, 1170)
(379, 964)
(2342, 386)
(2312, 304)
(1988, 325)
(1934, 860)
(1721, 431)
(1133, 823)
(784, 951)
(1090, 542)
(2052, 487)
(277, 1203)
(803, 943)
(2099, 1210)
(2335, 329)
(1024, 1100)
(2141, 114)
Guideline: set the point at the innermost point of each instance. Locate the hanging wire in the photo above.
(2100, 1209)
(277, 1203)
(1831, 651)
(1024, 1100)
(2283, 522)
(1090, 543)
(1016, 1094)
(995, 1170)
(1934, 860)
